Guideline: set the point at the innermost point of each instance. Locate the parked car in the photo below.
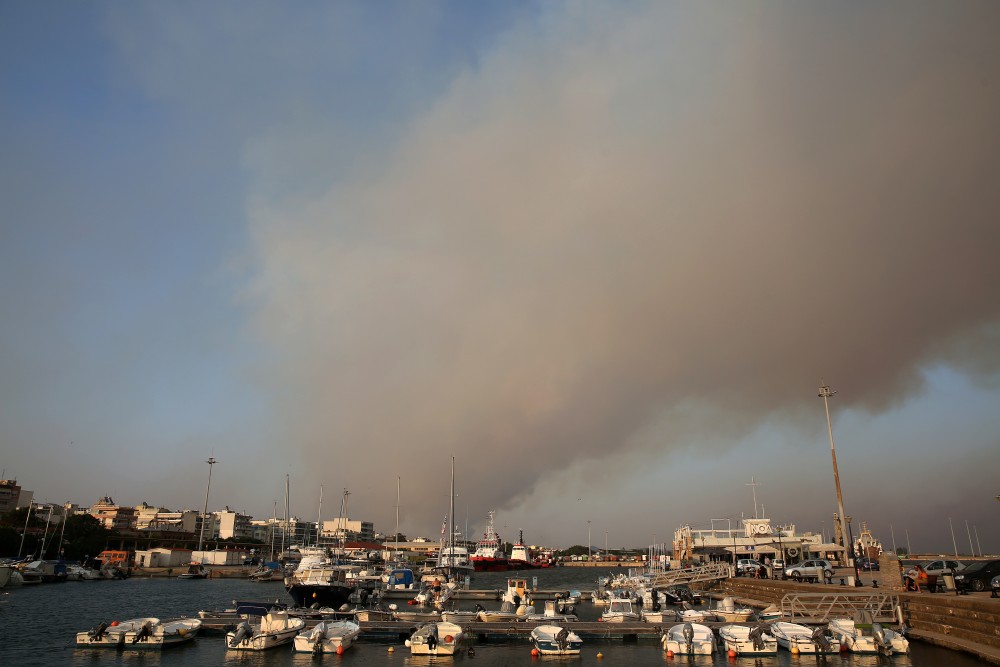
(816, 568)
(995, 585)
(868, 564)
(977, 576)
(940, 567)
(748, 567)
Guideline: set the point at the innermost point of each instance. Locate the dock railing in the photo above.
(821, 607)
(710, 572)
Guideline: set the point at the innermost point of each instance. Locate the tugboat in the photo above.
(489, 555)
(520, 557)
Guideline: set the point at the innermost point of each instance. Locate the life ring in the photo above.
(792, 551)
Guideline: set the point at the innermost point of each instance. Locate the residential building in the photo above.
(342, 529)
(113, 516)
(233, 525)
(10, 493)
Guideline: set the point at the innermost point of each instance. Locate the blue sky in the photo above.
(601, 254)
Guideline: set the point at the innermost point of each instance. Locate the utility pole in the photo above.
(204, 517)
(826, 393)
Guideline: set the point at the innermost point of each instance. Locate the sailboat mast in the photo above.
(396, 555)
(284, 530)
(273, 522)
(451, 513)
(319, 515)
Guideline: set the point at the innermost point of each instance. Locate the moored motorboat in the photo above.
(327, 637)
(551, 614)
(377, 613)
(441, 638)
(273, 629)
(744, 640)
(508, 612)
(689, 638)
(520, 556)
(163, 635)
(620, 610)
(862, 637)
(728, 612)
(556, 640)
(799, 638)
(112, 635)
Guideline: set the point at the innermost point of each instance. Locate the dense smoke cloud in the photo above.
(640, 233)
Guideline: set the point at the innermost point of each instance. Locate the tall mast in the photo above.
(319, 515)
(204, 515)
(395, 555)
(451, 514)
(284, 530)
(274, 520)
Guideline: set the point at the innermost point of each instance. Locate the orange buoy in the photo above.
(340, 650)
(114, 623)
(732, 653)
(534, 653)
(600, 656)
(670, 654)
(448, 639)
(391, 649)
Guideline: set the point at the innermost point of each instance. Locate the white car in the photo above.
(817, 568)
(940, 567)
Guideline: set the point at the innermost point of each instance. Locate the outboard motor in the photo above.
(432, 639)
(884, 645)
(820, 639)
(243, 632)
(562, 639)
(689, 637)
(97, 634)
(757, 636)
(144, 632)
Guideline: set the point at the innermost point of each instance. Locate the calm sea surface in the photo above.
(38, 625)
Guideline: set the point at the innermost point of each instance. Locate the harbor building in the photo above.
(163, 520)
(10, 494)
(113, 516)
(755, 538)
(341, 529)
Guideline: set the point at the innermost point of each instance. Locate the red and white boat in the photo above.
(489, 555)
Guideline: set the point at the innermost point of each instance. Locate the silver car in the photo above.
(944, 566)
(817, 568)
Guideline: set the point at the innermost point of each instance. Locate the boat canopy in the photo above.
(401, 577)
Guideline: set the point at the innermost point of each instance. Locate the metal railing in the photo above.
(709, 572)
(821, 607)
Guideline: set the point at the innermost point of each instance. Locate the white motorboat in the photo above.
(273, 629)
(769, 613)
(163, 635)
(80, 573)
(327, 637)
(551, 614)
(689, 614)
(728, 612)
(508, 612)
(112, 635)
(744, 640)
(379, 613)
(441, 638)
(802, 639)
(415, 615)
(556, 640)
(868, 637)
(661, 616)
(688, 639)
(195, 571)
(620, 610)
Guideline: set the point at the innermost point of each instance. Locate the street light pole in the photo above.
(825, 393)
(204, 515)
(588, 541)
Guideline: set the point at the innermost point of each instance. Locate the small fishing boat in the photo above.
(459, 615)
(728, 612)
(689, 639)
(552, 614)
(556, 640)
(744, 640)
(620, 610)
(769, 613)
(506, 613)
(441, 638)
(377, 613)
(273, 629)
(868, 637)
(415, 615)
(112, 635)
(688, 614)
(163, 635)
(327, 637)
(194, 571)
(802, 639)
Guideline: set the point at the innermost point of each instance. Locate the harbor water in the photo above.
(39, 625)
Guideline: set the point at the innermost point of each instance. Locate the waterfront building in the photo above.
(10, 493)
(163, 520)
(161, 557)
(229, 524)
(755, 538)
(113, 516)
(341, 529)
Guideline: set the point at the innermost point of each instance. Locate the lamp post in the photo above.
(588, 540)
(825, 393)
(204, 515)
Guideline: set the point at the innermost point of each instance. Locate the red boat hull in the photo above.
(489, 564)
